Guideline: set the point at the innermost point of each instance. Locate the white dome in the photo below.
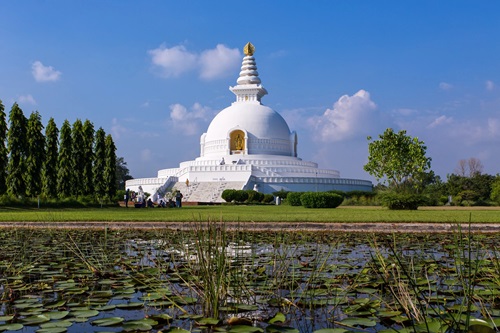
(266, 132)
(247, 127)
(257, 120)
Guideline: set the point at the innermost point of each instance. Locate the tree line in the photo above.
(74, 161)
(400, 163)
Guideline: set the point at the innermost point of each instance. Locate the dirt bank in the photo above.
(274, 226)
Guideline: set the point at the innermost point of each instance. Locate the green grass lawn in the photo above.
(270, 213)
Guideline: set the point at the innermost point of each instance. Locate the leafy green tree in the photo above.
(65, 165)
(77, 157)
(399, 160)
(495, 190)
(110, 167)
(36, 155)
(477, 187)
(122, 173)
(16, 143)
(88, 157)
(51, 159)
(481, 184)
(3, 150)
(99, 163)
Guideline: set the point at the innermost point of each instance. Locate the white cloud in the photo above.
(117, 129)
(27, 99)
(440, 121)
(490, 85)
(219, 62)
(350, 117)
(472, 133)
(494, 127)
(211, 64)
(445, 86)
(189, 120)
(43, 73)
(173, 61)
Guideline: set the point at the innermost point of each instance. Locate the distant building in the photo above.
(247, 146)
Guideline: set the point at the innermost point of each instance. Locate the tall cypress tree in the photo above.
(16, 143)
(77, 156)
(65, 167)
(110, 167)
(3, 150)
(88, 157)
(99, 163)
(36, 155)
(51, 159)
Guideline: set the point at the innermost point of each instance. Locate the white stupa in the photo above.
(247, 146)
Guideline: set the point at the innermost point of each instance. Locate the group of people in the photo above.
(138, 200)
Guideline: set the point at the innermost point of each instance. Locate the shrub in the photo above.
(293, 198)
(240, 196)
(402, 201)
(120, 195)
(254, 196)
(321, 200)
(228, 195)
(268, 198)
(339, 192)
(360, 198)
(282, 194)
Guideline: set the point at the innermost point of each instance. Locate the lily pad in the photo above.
(35, 320)
(56, 314)
(208, 322)
(11, 327)
(281, 329)
(141, 325)
(355, 321)
(131, 305)
(110, 321)
(245, 329)
(6, 318)
(53, 305)
(52, 330)
(84, 313)
(59, 323)
(177, 330)
(278, 318)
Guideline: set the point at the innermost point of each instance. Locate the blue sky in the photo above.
(154, 73)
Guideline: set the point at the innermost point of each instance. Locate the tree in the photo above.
(399, 160)
(99, 163)
(477, 187)
(51, 159)
(122, 173)
(16, 143)
(3, 150)
(77, 157)
(469, 168)
(495, 190)
(65, 167)
(88, 157)
(110, 167)
(36, 155)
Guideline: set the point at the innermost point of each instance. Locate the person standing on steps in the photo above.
(178, 199)
(127, 197)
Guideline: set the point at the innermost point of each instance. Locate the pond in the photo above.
(211, 279)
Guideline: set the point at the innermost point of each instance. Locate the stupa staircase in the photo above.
(267, 172)
(206, 191)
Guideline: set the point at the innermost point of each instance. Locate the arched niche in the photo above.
(237, 142)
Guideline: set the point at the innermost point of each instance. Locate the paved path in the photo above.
(274, 226)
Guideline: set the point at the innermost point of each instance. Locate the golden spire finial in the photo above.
(249, 49)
